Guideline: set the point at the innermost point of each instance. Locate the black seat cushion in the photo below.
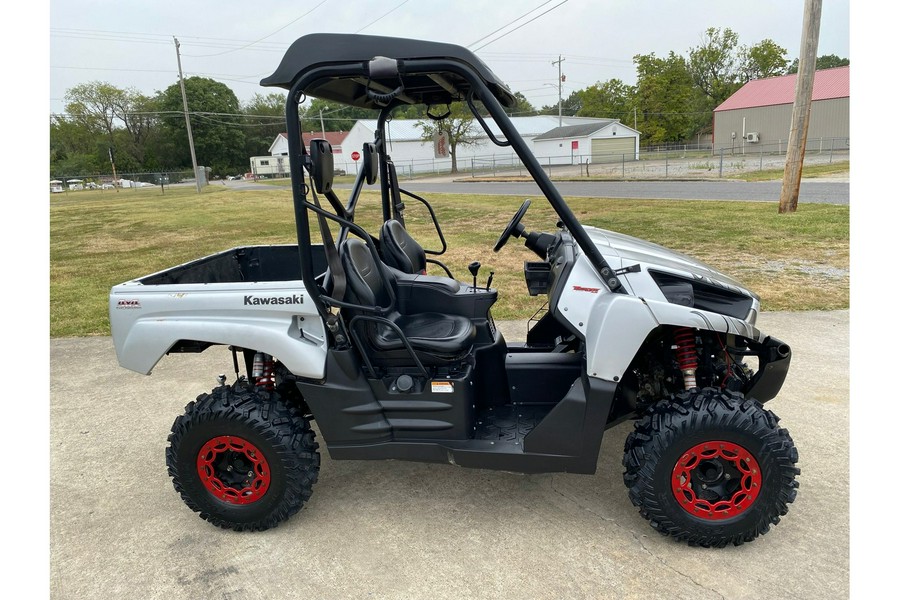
(429, 332)
(400, 250)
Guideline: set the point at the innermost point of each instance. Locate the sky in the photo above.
(130, 44)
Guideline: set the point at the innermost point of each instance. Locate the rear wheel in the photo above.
(243, 458)
(711, 468)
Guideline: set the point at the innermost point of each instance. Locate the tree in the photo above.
(337, 117)
(93, 106)
(610, 99)
(523, 107)
(100, 116)
(215, 122)
(571, 104)
(713, 65)
(764, 59)
(826, 61)
(460, 128)
(264, 120)
(665, 98)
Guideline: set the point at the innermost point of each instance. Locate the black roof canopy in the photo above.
(436, 87)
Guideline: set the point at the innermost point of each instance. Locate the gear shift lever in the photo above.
(473, 269)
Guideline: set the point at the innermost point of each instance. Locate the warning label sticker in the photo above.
(441, 387)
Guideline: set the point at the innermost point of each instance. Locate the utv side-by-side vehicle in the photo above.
(373, 338)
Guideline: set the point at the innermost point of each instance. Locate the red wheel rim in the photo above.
(233, 470)
(716, 480)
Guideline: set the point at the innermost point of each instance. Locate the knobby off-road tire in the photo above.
(243, 458)
(710, 468)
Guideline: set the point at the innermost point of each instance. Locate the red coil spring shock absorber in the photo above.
(686, 355)
(264, 371)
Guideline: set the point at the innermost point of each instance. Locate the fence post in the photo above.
(667, 165)
(760, 158)
(721, 160)
(831, 155)
(473, 167)
(623, 165)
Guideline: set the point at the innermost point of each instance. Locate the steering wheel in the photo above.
(514, 227)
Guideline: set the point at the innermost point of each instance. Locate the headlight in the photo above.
(700, 294)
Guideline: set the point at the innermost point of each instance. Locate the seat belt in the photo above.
(395, 191)
(338, 275)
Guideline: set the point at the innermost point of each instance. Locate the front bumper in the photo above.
(774, 361)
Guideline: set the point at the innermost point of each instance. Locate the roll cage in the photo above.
(384, 73)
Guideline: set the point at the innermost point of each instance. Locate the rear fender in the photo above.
(145, 326)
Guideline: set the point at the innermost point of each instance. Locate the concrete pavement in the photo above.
(407, 530)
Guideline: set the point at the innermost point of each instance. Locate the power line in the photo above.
(262, 38)
(382, 16)
(510, 23)
(520, 26)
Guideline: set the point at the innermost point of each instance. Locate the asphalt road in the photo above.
(408, 530)
(811, 191)
(827, 192)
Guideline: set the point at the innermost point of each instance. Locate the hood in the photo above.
(633, 250)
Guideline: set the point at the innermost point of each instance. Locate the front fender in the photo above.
(617, 325)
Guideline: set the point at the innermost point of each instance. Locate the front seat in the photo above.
(400, 250)
(436, 338)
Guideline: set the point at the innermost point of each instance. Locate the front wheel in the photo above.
(711, 468)
(243, 458)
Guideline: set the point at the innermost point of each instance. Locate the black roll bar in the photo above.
(494, 108)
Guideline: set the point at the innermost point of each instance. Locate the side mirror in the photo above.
(370, 162)
(322, 165)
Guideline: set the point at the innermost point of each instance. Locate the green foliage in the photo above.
(337, 117)
(571, 104)
(523, 107)
(611, 99)
(665, 98)
(263, 123)
(826, 61)
(218, 137)
(764, 59)
(713, 65)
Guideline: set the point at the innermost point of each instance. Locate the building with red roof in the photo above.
(757, 117)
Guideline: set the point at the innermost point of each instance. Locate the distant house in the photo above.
(578, 140)
(276, 164)
(411, 153)
(602, 141)
(758, 116)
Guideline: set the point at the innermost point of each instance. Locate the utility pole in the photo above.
(187, 116)
(559, 82)
(806, 72)
(322, 123)
(113, 163)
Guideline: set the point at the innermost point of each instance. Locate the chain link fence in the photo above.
(68, 182)
(691, 161)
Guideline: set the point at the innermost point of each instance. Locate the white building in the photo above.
(411, 153)
(602, 141)
(276, 164)
(578, 140)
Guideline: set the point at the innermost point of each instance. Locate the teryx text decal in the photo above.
(252, 301)
(128, 304)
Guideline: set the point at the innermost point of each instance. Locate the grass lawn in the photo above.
(99, 239)
(836, 169)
